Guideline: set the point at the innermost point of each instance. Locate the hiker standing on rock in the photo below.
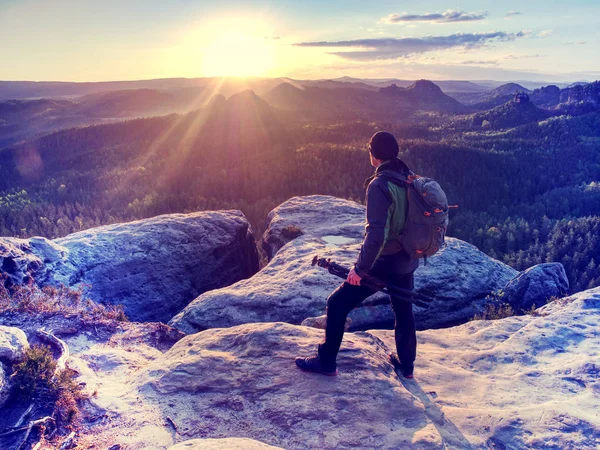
(381, 256)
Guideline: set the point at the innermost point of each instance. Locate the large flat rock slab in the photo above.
(242, 381)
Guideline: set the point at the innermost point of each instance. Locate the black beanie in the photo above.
(383, 145)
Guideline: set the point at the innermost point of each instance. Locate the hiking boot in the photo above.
(315, 364)
(405, 369)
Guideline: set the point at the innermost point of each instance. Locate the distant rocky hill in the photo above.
(577, 99)
(546, 97)
(318, 100)
(226, 131)
(424, 95)
(489, 99)
(23, 119)
(448, 86)
(510, 114)
(142, 102)
(226, 86)
(26, 119)
(56, 89)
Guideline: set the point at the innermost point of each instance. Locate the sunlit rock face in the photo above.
(531, 381)
(330, 218)
(28, 260)
(153, 267)
(289, 289)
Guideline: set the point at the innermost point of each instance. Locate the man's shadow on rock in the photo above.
(452, 437)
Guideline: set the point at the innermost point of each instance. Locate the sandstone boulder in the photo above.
(288, 289)
(154, 267)
(13, 343)
(519, 382)
(223, 444)
(459, 277)
(536, 285)
(316, 215)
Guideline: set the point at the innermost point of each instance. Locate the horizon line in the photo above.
(241, 78)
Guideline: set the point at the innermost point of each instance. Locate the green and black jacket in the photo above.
(387, 207)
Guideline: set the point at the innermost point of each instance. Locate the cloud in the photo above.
(394, 48)
(545, 33)
(272, 37)
(512, 13)
(449, 16)
(536, 55)
(576, 42)
(479, 63)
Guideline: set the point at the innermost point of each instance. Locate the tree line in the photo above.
(526, 195)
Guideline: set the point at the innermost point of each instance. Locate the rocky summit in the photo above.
(460, 278)
(153, 267)
(528, 381)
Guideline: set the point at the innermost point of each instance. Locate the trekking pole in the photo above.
(374, 284)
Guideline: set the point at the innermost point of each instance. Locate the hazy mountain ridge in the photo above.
(230, 85)
(318, 100)
(392, 101)
(39, 89)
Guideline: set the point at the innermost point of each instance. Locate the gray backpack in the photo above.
(427, 219)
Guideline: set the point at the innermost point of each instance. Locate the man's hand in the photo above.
(353, 278)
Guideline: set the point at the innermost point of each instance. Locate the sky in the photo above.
(93, 40)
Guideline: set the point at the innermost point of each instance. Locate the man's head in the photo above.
(383, 147)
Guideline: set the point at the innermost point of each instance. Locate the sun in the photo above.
(238, 53)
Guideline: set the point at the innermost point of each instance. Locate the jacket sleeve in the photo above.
(378, 205)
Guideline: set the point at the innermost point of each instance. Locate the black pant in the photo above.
(347, 297)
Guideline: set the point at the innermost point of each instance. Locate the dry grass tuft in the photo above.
(31, 299)
(36, 380)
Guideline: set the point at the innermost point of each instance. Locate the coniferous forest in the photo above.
(526, 179)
